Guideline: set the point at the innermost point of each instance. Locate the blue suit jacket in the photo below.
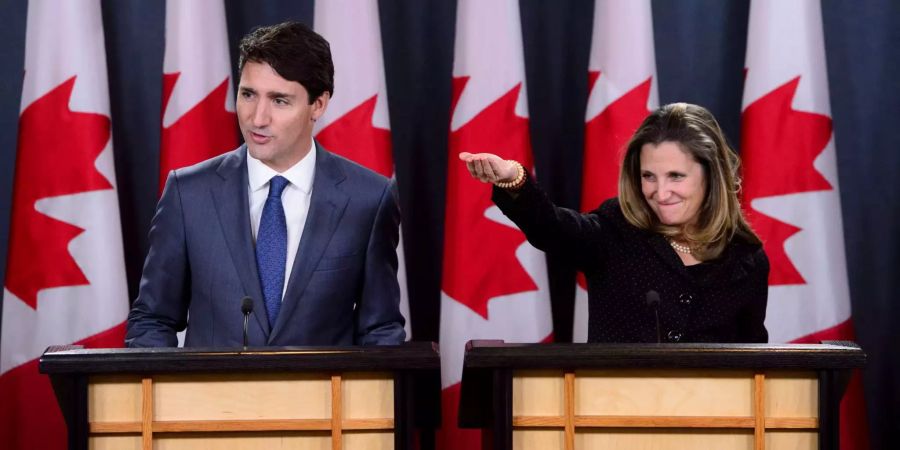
(343, 287)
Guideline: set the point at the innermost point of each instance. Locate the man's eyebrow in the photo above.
(276, 94)
(273, 94)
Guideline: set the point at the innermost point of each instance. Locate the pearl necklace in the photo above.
(686, 249)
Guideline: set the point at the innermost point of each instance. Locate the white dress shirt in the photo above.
(295, 200)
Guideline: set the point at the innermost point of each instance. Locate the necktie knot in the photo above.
(277, 185)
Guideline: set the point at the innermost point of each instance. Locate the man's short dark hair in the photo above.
(296, 52)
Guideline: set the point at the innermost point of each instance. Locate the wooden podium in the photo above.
(261, 398)
(656, 396)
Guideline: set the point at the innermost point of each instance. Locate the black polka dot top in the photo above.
(723, 300)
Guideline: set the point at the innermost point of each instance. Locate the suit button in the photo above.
(674, 336)
(685, 299)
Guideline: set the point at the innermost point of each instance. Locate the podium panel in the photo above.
(180, 399)
(664, 439)
(257, 403)
(656, 396)
(217, 441)
(663, 409)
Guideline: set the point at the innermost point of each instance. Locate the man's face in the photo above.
(275, 116)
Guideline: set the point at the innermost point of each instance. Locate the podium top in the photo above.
(500, 355)
(409, 356)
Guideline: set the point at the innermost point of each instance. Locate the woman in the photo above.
(672, 259)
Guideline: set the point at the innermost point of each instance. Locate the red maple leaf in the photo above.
(353, 136)
(479, 254)
(206, 130)
(56, 153)
(604, 143)
(779, 145)
(593, 75)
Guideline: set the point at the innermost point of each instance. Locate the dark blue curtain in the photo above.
(700, 48)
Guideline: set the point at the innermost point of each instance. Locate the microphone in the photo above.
(246, 309)
(653, 302)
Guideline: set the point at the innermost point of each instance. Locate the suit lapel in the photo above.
(233, 208)
(326, 206)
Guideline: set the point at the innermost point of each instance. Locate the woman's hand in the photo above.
(489, 168)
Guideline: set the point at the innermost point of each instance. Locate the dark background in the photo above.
(700, 47)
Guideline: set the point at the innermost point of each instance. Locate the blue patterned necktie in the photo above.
(271, 248)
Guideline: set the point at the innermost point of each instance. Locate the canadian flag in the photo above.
(622, 86)
(198, 105)
(356, 123)
(791, 185)
(494, 283)
(65, 281)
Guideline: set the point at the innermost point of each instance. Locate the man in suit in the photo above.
(309, 236)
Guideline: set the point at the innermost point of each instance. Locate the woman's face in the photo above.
(673, 183)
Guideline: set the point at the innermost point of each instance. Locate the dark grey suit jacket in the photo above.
(343, 287)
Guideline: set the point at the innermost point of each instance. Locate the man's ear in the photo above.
(320, 105)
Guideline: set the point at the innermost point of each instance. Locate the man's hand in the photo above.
(489, 168)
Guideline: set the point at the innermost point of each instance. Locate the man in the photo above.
(309, 236)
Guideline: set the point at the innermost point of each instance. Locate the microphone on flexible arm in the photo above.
(246, 309)
(653, 302)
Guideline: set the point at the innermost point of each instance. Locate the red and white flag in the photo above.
(198, 105)
(198, 120)
(622, 86)
(494, 283)
(356, 124)
(65, 281)
(790, 187)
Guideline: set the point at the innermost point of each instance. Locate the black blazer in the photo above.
(725, 301)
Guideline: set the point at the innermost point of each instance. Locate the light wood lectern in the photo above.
(655, 396)
(261, 398)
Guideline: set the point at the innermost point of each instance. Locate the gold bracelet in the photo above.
(517, 182)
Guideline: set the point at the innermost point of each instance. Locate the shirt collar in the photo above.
(300, 174)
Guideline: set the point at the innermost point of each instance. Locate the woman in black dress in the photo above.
(672, 258)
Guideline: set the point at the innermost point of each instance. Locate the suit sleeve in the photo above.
(378, 318)
(160, 309)
(551, 228)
